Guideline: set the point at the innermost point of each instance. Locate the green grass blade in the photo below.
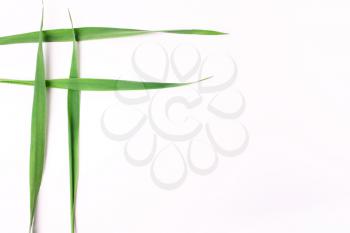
(195, 32)
(19, 82)
(92, 33)
(38, 130)
(89, 84)
(73, 102)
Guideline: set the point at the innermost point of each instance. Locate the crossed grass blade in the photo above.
(92, 33)
(73, 108)
(38, 130)
(90, 84)
(74, 85)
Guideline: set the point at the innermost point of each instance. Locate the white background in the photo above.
(293, 59)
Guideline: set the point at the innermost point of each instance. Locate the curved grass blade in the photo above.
(73, 103)
(38, 130)
(89, 84)
(92, 33)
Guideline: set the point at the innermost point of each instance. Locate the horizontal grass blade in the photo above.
(89, 84)
(195, 32)
(91, 33)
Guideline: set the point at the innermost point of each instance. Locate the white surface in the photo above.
(293, 61)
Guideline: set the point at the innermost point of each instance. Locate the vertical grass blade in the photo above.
(73, 129)
(38, 130)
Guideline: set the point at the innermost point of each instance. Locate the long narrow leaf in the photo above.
(38, 130)
(91, 33)
(89, 84)
(73, 102)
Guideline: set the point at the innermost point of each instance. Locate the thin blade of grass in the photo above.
(38, 130)
(73, 103)
(92, 33)
(195, 32)
(89, 84)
